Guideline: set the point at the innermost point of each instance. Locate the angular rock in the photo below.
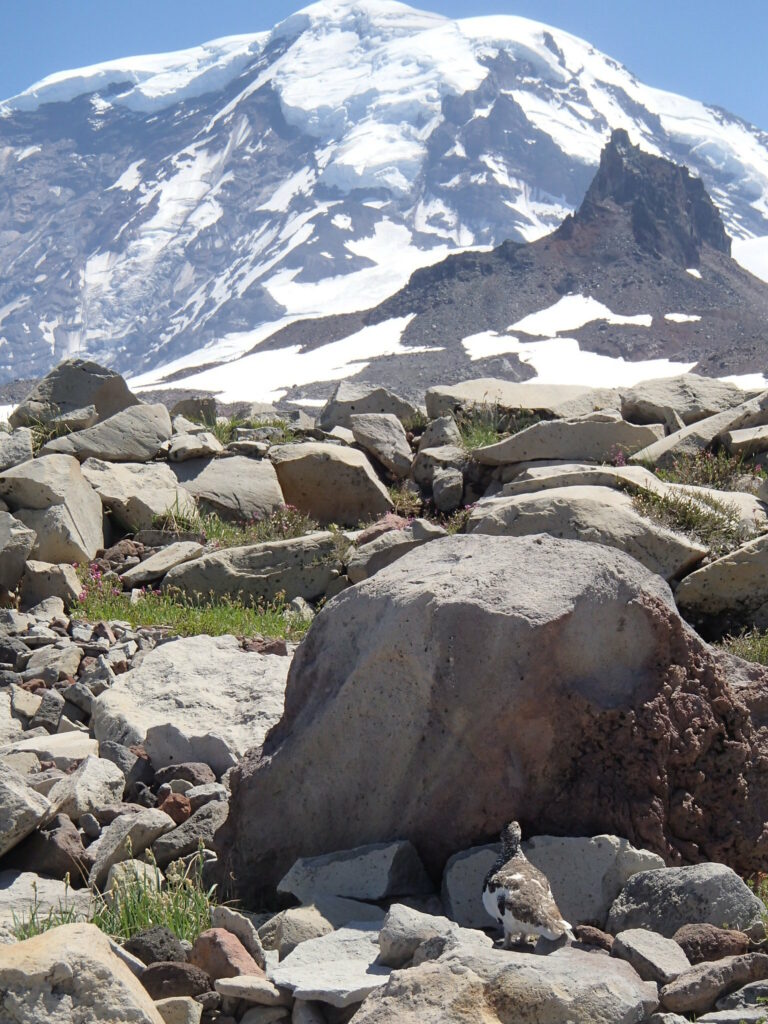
(666, 899)
(746, 442)
(366, 873)
(385, 549)
(652, 956)
(550, 400)
(136, 493)
(744, 1015)
(133, 435)
(179, 1010)
(753, 994)
(298, 567)
(241, 926)
(184, 839)
(599, 654)
(55, 849)
(53, 498)
(43, 579)
(439, 432)
(169, 704)
(64, 749)
(221, 955)
(21, 808)
(429, 461)
(597, 514)
(200, 409)
(699, 436)
(16, 543)
(77, 392)
(96, 783)
(403, 931)
(176, 806)
(691, 396)
(730, 592)
(577, 439)
(698, 988)
(23, 891)
(62, 660)
(330, 483)
(71, 973)
(447, 488)
(383, 436)
(15, 447)
(237, 487)
(171, 979)
(463, 878)
(157, 565)
(339, 968)
(128, 873)
(253, 988)
(200, 445)
(297, 925)
(127, 836)
(350, 399)
(702, 942)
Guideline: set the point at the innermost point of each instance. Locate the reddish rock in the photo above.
(593, 937)
(385, 524)
(265, 645)
(166, 979)
(222, 955)
(702, 942)
(196, 773)
(56, 850)
(176, 806)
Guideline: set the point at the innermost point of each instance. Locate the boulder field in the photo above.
(506, 599)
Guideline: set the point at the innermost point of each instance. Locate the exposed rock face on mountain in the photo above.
(155, 207)
(641, 271)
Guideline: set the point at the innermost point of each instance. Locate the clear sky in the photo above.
(711, 50)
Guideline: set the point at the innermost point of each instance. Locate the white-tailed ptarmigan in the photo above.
(518, 896)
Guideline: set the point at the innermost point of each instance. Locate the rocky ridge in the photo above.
(494, 595)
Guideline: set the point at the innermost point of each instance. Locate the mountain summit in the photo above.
(175, 210)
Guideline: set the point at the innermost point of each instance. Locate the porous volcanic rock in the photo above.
(538, 668)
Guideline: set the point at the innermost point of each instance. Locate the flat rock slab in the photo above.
(733, 588)
(339, 968)
(549, 399)
(654, 957)
(236, 487)
(599, 514)
(134, 435)
(597, 441)
(372, 872)
(157, 565)
(196, 699)
(22, 891)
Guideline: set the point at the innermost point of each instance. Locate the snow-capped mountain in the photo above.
(176, 210)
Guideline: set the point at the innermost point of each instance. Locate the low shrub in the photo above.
(481, 425)
(721, 471)
(713, 523)
(407, 503)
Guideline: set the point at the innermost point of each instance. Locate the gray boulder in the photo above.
(666, 899)
(385, 549)
(236, 487)
(77, 393)
(561, 400)
(331, 483)
(730, 592)
(135, 493)
(691, 396)
(440, 432)
(350, 399)
(161, 562)
(43, 580)
(598, 514)
(186, 838)
(169, 703)
(21, 808)
(16, 543)
(133, 435)
(197, 445)
(654, 957)
(575, 439)
(15, 447)
(594, 643)
(51, 496)
(383, 436)
(365, 873)
(299, 567)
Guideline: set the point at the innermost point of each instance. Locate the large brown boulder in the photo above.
(478, 679)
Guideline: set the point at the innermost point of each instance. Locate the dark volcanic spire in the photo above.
(671, 212)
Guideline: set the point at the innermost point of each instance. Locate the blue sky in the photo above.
(706, 49)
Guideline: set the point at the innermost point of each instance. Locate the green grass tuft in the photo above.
(721, 471)
(406, 503)
(35, 921)
(284, 523)
(713, 523)
(482, 425)
(102, 599)
(226, 431)
(751, 645)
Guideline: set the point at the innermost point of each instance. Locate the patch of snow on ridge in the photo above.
(266, 376)
(748, 381)
(694, 272)
(752, 255)
(129, 179)
(572, 312)
(682, 318)
(562, 361)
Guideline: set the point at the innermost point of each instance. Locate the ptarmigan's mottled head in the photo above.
(511, 835)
